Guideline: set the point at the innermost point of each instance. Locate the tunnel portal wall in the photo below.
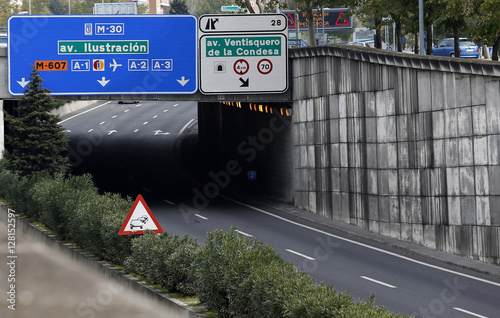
(402, 145)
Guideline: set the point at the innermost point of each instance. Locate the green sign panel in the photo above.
(243, 46)
(103, 47)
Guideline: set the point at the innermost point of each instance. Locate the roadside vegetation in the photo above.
(232, 275)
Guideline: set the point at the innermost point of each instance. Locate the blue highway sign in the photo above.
(105, 54)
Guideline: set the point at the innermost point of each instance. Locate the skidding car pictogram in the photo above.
(139, 222)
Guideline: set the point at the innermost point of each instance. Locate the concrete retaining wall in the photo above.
(172, 307)
(400, 145)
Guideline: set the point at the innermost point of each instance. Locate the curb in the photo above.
(173, 307)
(419, 252)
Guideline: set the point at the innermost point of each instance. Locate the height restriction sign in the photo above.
(242, 54)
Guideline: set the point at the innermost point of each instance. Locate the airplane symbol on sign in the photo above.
(114, 65)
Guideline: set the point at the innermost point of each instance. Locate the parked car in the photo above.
(446, 48)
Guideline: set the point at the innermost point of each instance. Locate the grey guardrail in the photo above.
(408, 60)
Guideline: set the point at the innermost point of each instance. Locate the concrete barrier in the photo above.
(402, 145)
(172, 307)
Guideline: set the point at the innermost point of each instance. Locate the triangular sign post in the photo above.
(342, 20)
(291, 21)
(140, 219)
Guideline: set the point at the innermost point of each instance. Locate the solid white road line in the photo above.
(243, 233)
(84, 112)
(201, 216)
(300, 254)
(469, 312)
(378, 282)
(364, 245)
(186, 126)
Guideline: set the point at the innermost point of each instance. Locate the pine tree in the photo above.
(35, 141)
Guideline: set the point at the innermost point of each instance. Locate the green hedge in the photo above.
(72, 208)
(234, 275)
(166, 260)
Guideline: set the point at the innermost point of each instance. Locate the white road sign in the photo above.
(243, 54)
(140, 219)
(237, 23)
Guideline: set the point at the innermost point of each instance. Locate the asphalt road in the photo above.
(133, 154)
(130, 144)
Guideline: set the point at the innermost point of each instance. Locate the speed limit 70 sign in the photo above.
(265, 66)
(243, 54)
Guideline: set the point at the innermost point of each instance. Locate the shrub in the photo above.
(17, 190)
(268, 290)
(116, 247)
(95, 224)
(224, 263)
(164, 259)
(58, 198)
(241, 277)
(179, 273)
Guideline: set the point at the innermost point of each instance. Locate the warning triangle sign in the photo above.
(140, 219)
(342, 19)
(291, 20)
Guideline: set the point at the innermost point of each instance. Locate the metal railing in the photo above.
(3, 34)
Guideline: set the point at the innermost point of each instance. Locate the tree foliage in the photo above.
(178, 7)
(486, 30)
(210, 6)
(37, 7)
(58, 7)
(35, 141)
(8, 8)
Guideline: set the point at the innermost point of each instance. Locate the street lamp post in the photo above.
(421, 26)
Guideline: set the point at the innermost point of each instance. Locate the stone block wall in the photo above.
(400, 145)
